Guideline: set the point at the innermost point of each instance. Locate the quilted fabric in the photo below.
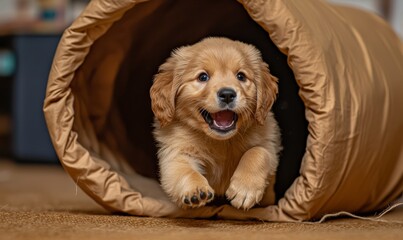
(346, 63)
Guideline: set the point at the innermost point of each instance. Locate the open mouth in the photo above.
(222, 121)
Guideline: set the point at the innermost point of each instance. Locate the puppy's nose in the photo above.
(226, 95)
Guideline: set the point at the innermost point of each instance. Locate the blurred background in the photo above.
(29, 34)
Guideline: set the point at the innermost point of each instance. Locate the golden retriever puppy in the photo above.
(215, 132)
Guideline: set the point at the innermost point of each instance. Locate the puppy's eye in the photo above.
(241, 76)
(203, 77)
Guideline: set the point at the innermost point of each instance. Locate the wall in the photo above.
(395, 11)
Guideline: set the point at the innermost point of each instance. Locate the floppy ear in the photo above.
(162, 93)
(267, 90)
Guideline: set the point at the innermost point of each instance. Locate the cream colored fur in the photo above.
(195, 159)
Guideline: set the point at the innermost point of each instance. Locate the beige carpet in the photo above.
(42, 202)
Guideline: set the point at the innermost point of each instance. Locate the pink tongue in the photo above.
(223, 118)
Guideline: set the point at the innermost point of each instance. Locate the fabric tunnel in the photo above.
(339, 105)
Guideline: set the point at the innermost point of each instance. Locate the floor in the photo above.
(42, 202)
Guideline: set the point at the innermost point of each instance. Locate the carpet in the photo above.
(42, 202)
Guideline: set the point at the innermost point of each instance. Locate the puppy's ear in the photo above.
(162, 93)
(166, 84)
(267, 90)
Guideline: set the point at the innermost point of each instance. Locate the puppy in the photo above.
(215, 132)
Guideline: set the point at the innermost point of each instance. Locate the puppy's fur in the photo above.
(213, 124)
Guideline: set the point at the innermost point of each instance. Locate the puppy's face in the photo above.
(218, 86)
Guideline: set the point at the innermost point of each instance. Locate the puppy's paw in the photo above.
(193, 196)
(244, 194)
(190, 191)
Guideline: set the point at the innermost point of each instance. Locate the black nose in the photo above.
(226, 95)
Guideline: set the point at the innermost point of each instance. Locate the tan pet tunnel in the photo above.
(339, 107)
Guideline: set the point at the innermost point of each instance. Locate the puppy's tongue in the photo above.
(223, 119)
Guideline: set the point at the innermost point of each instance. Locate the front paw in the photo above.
(193, 195)
(244, 194)
(197, 197)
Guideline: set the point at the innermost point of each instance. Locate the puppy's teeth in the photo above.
(224, 120)
(223, 127)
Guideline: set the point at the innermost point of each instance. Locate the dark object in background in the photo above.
(7, 70)
(31, 142)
